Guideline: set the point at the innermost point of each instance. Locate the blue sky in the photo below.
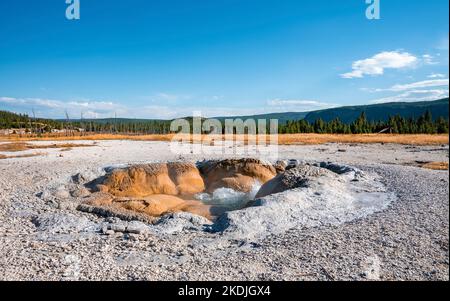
(165, 59)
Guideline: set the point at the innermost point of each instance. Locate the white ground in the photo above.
(43, 238)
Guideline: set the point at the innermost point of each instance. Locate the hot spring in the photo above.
(207, 188)
(229, 198)
(243, 196)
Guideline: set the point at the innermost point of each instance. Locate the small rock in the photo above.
(62, 193)
(52, 203)
(136, 227)
(181, 221)
(84, 177)
(134, 230)
(66, 205)
(109, 232)
(34, 245)
(62, 223)
(113, 220)
(133, 237)
(117, 228)
(67, 248)
(80, 193)
(45, 195)
(280, 166)
(293, 163)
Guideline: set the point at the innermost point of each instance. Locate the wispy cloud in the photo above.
(171, 97)
(377, 64)
(415, 95)
(417, 85)
(166, 98)
(426, 90)
(57, 108)
(428, 59)
(163, 110)
(436, 75)
(168, 112)
(271, 106)
(298, 105)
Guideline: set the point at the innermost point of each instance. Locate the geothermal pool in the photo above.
(229, 198)
(240, 197)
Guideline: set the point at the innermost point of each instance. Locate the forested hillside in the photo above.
(382, 112)
(403, 118)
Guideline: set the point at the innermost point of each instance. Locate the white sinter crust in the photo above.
(44, 237)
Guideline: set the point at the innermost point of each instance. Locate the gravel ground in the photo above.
(407, 241)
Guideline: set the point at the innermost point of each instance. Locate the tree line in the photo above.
(10, 120)
(424, 124)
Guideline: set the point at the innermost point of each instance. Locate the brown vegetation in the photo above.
(436, 165)
(21, 146)
(89, 137)
(21, 156)
(292, 139)
(283, 139)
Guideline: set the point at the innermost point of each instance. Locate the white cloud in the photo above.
(429, 59)
(31, 102)
(381, 61)
(437, 89)
(272, 106)
(300, 105)
(7, 99)
(436, 75)
(168, 112)
(171, 97)
(217, 97)
(57, 108)
(415, 95)
(163, 110)
(417, 85)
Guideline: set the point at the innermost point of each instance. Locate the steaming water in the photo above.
(229, 198)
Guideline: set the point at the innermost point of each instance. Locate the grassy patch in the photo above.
(436, 165)
(21, 146)
(2, 157)
(283, 139)
(313, 139)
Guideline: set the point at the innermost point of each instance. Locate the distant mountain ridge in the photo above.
(376, 112)
(282, 117)
(348, 114)
(381, 112)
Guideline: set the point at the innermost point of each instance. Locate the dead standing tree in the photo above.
(34, 121)
(68, 126)
(31, 126)
(82, 130)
